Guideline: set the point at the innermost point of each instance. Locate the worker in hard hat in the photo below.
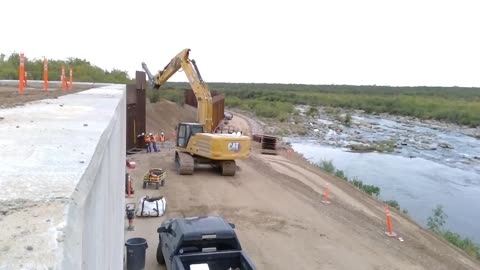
(147, 143)
(140, 140)
(162, 140)
(153, 141)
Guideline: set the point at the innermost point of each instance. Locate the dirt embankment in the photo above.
(164, 115)
(275, 202)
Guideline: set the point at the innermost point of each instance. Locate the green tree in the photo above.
(436, 222)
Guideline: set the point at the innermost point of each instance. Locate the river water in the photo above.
(419, 178)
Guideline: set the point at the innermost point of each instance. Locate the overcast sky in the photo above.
(311, 42)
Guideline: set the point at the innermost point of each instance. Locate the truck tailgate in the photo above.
(224, 260)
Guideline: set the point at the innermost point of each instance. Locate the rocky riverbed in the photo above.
(357, 131)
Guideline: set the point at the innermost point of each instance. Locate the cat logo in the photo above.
(234, 146)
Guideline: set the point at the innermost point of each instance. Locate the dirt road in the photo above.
(275, 203)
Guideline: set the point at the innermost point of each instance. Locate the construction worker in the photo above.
(162, 137)
(153, 141)
(147, 143)
(140, 139)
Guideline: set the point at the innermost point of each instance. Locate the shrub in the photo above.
(348, 119)
(312, 111)
(340, 174)
(153, 96)
(437, 220)
(435, 223)
(393, 203)
(327, 166)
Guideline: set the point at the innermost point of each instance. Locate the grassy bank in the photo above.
(458, 105)
(435, 222)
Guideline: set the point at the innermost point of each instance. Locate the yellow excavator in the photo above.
(197, 143)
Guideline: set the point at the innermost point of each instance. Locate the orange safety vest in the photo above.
(152, 138)
(162, 137)
(147, 139)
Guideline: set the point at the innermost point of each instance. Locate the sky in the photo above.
(398, 43)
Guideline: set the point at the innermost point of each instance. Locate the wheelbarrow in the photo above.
(154, 177)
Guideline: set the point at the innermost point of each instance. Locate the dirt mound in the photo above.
(164, 115)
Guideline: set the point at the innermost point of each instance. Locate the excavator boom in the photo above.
(199, 87)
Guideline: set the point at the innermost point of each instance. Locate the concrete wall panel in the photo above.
(62, 178)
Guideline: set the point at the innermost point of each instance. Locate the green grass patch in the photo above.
(435, 223)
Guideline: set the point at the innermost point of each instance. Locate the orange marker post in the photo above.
(129, 187)
(289, 152)
(70, 86)
(62, 78)
(325, 195)
(45, 74)
(21, 74)
(389, 223)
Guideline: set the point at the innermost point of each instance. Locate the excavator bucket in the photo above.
(151, 79)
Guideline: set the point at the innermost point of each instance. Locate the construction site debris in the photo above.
(151, 207)
(268, 142)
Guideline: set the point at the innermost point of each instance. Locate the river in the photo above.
(419, 176)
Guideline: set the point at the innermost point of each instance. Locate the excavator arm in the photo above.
(199, 87)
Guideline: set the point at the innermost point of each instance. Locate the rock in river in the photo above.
(445, 145)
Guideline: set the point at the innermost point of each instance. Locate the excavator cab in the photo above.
(185, 131)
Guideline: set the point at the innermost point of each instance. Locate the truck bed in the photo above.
(226, 260)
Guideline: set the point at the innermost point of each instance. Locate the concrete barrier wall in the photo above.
(95, 223)
(62, 174)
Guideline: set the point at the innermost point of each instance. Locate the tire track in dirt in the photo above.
(314, 180)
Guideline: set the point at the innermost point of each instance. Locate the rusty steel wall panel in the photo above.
(218, 109)
(141, 80)
(190, 99)
(141, 111)
(218, 100)
(131, 94)
(131, 127)
(136, 111)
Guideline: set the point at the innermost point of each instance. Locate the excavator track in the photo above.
(228, 167)
(185, 163)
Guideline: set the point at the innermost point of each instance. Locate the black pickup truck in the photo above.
(200, 243)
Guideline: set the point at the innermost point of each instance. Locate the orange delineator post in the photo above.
(325, 195)
(63, 79)
(45, 74)
(21, 74)
(70, 86)
(389, 223)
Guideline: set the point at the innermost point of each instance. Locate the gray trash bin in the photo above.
(136, 248)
